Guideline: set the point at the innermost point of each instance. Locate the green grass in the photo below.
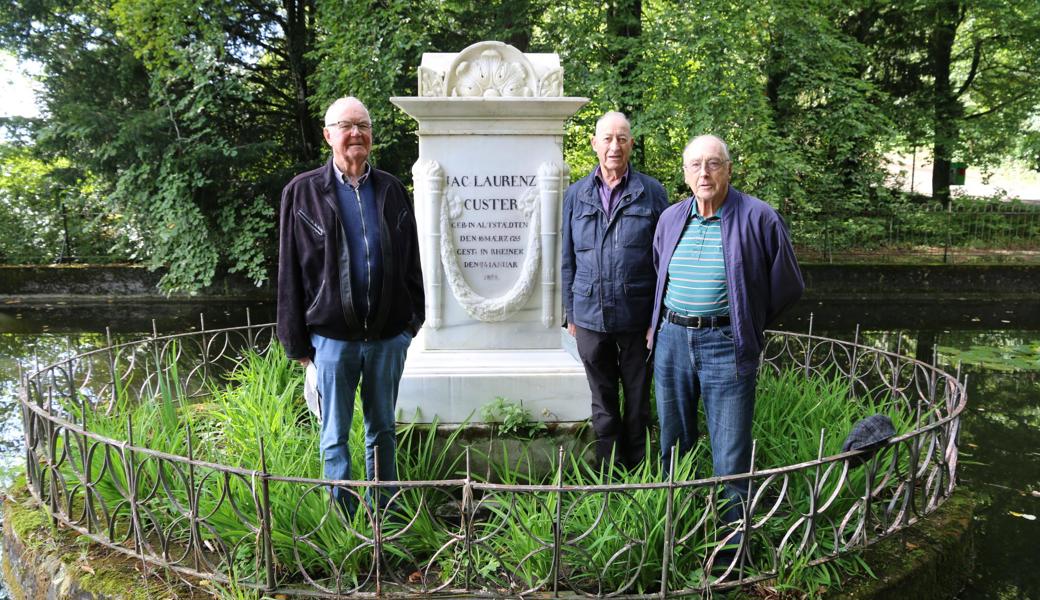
(612, 539)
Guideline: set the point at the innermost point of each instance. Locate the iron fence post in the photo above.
(557, 525)
(467, 521)
(669, 507)
(204, 346)
(949, 233)
(265, 520)
(112, 369)
(377, 529)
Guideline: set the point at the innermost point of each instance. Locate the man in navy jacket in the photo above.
(725, 271)
(608, 224)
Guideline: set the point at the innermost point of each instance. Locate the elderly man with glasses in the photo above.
(350, 293)
(725, 271)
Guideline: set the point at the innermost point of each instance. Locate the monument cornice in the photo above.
(490, 116)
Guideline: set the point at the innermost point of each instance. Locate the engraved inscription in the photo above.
(490, 224)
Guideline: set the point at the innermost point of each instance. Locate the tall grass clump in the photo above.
(611, 539)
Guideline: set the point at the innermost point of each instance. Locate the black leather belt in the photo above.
(696, 322)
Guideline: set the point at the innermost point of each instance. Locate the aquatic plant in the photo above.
(611, 538)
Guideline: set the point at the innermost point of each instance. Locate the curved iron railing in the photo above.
(175, 511)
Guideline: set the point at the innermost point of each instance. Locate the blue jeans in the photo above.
(378, 365)
(700, 364)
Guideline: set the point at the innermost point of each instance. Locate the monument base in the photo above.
(454, 385)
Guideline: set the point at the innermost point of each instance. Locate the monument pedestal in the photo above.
(489, 187)
(455, 384)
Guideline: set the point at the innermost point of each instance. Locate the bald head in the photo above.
(612, 118)
(705, 140)
(613, 145)
(337, 107)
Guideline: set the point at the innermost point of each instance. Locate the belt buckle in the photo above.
(699, 322)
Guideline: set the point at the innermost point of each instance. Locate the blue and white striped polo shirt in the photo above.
(697, 273)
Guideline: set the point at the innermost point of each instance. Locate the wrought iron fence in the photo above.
(991, 232)
(466, 536)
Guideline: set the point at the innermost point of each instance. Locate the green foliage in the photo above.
(1007, 356)
(511, 419)
(256, 419)
(180, 121)
(957, 75)
(49, 213)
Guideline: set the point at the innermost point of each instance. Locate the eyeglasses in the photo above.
(348, 126)
(710, 165)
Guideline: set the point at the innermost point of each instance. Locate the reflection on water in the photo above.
(1001, 465)
(1000, 447)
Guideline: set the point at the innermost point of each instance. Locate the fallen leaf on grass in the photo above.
(1022, 515)
(87, 568)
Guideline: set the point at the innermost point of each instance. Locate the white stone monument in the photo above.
(489, 187)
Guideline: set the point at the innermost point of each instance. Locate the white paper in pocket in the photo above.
(310, 390)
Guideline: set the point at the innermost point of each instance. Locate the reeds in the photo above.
(636, 539)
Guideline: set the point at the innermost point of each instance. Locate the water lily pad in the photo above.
(1005, 358)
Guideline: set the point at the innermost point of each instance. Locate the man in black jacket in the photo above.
(350, 294)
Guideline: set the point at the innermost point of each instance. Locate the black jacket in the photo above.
(314, 292)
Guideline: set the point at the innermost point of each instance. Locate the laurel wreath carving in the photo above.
(502, 307)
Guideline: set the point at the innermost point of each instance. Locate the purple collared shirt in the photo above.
(609, 196)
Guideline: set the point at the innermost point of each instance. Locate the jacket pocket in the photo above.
(581, 288)
(637, 226)
(583, 228)
(311, 224)
(317, 298)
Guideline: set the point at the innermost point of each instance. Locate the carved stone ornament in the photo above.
(491, 77)
(551, 85)
(429, 189)
(431, 83)
(501, 307)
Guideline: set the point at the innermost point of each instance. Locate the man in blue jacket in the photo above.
(725, 271)
(608, 276)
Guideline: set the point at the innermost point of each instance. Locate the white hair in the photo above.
(339, 103)
(611, 114)
(686, 150)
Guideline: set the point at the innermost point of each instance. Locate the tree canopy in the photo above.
(174, 124)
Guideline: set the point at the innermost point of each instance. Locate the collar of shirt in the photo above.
(695, 213)
(609, 195)
(342, 177)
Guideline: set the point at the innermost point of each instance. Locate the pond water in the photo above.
(997, 344)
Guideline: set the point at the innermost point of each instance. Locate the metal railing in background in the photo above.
(964, 232)
(465, 535)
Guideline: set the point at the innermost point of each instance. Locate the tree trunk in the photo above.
(625, 52)
(946, 107)
(299, 37)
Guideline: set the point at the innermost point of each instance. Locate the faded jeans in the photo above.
(700, 364)
(378, 366)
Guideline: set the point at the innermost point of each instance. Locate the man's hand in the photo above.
(304, 361)
(571, 329)
(649, 336)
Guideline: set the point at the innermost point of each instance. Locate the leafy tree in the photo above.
(961, 73)
(181, 121)
(183, 140)
(47, 213)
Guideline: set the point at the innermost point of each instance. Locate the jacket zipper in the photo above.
(307, 220)
(368, 257)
